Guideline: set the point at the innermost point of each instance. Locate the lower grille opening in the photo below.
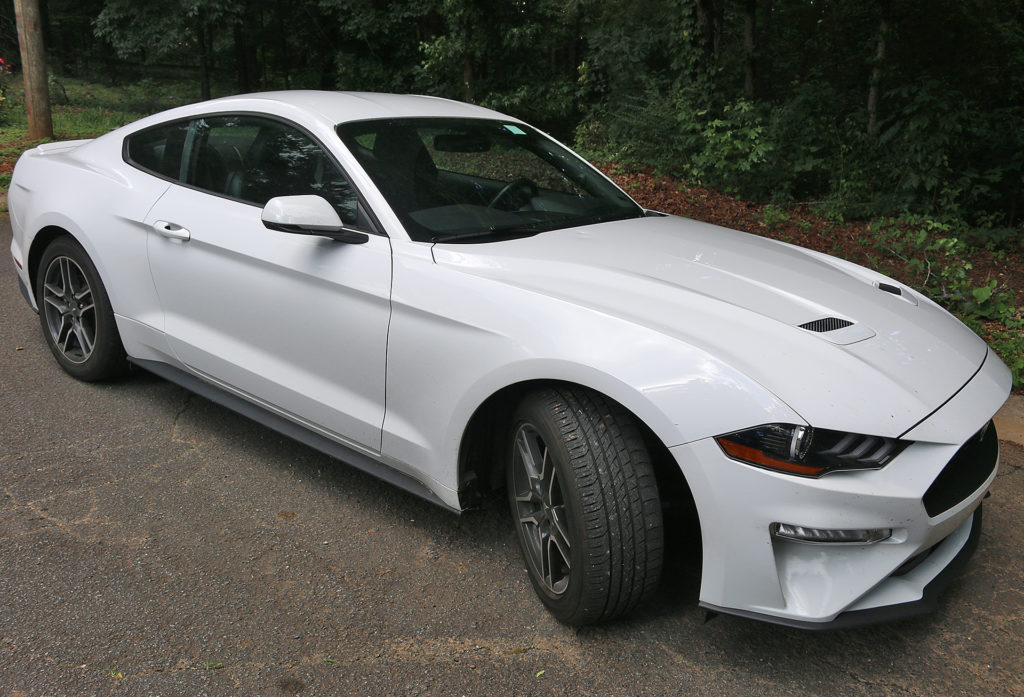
(965, 472)
(915, 561)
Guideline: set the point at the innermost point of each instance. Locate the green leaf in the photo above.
(983, 293)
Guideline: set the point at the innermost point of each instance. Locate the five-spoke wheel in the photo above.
(78, 322)
(540, 509)
(69, 310)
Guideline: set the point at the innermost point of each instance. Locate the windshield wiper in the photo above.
(509, 232)
(609, 217)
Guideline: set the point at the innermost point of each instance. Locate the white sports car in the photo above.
(441, 295)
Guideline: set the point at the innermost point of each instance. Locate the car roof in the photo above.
(331, 107)
(352, 106)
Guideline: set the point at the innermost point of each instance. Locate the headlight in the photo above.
(809, 452)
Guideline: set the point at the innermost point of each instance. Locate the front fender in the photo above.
(457, 339)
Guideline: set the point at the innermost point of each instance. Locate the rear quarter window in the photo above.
(158, 149)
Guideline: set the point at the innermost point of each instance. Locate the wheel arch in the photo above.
(54, 225)
(40, 242)
(481, 461)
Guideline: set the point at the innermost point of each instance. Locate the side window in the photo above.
(158, 149)
(255, 159)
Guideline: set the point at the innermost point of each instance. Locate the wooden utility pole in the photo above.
(33, 68)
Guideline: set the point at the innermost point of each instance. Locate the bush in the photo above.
(936, 153)
(641, 128)
(5, 72)
(729, 149)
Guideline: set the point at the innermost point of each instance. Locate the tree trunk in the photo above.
(260, 51)
(876, 70)
(467, 78)
(33, 66)
(242, 59)
(749, 29)
(284, 62)
(710, 17)
(204, 62)
(328, 73)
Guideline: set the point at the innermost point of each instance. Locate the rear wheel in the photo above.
(75, 313)
(585, 504)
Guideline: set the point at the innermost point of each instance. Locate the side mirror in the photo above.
(308, 215)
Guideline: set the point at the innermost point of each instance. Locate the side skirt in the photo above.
(292, 430)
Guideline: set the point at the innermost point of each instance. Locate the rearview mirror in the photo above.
(308, 215)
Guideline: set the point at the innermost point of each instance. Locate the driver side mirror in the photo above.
(308, 215)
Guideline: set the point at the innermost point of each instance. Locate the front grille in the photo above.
(962, 475)
(826, 324)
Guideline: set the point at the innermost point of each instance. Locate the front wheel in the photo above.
(78, 322)
(585, 504)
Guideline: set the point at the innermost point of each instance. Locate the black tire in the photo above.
(602, 500)
(75, 314)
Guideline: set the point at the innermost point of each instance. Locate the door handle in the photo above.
(172, 231)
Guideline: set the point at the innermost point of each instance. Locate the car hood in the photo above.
(741, 299)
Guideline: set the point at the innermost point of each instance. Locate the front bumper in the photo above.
(25, 294)
(747, 571)
(18, 257)
(935, 521)
(922, 578)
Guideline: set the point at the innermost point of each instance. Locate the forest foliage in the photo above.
(906, 112)
(865, 107)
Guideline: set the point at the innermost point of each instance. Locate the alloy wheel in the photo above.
(540, 509)
(69, 309)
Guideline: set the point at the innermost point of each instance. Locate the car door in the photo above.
(297, 323)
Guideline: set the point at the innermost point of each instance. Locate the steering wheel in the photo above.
(519, 186)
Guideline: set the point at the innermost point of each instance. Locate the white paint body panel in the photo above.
(311, 212)
(814, 582)
(298, 321)
(391, 346)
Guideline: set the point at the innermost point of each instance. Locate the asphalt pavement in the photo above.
(153, 543)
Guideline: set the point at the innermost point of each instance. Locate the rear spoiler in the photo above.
(60, 146)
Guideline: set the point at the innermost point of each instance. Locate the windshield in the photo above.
(476, 180)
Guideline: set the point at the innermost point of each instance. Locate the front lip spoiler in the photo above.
(886, 613)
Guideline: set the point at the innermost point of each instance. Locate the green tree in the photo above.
(152, 29)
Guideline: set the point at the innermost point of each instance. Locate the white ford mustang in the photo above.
(441, 295)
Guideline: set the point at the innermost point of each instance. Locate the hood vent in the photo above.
(826, 324)
(890, 288)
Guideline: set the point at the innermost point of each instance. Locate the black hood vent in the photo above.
(826, 324)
